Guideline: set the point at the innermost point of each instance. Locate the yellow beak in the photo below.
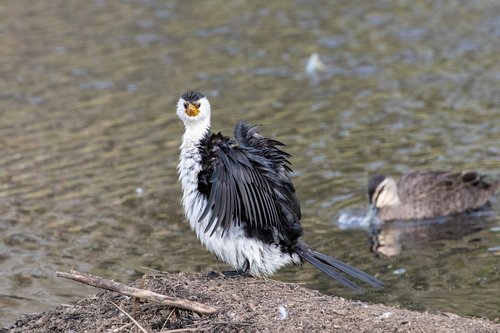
(192, 110)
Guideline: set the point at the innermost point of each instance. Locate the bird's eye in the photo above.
(185, 105)
(197, 104)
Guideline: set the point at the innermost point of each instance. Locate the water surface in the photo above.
(89, 135)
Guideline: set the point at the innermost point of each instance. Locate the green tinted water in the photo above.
(89, 135)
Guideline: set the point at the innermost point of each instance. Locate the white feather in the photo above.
(387, 193)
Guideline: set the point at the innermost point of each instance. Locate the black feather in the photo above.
(327, 269)
(332, 266)
(240, 179)
(192, 96)
(351, 271)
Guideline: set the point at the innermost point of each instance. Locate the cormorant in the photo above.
(240, 201)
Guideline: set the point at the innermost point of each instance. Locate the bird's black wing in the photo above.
(267, 150)
(247, 182)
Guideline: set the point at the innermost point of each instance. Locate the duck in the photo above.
(239, 199)
(424, 194)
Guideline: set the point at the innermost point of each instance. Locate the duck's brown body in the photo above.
(427, 194)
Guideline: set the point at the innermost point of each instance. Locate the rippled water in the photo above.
(89, 135)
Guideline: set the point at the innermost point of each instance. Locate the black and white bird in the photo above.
(240, 201)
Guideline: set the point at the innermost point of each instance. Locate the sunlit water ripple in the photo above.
(87, 118)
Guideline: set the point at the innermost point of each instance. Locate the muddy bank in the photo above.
(245, 305)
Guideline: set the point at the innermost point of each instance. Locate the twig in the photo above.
(130, 317)
(136, 300)
(179, 330)
(121, 328)
(152, 270)
(102, 283)
(166, 321)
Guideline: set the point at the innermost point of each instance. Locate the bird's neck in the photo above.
(190, 165)
(194, 134)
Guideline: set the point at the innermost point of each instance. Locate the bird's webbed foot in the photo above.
(236, 273)
(214, 274)
(243, 272)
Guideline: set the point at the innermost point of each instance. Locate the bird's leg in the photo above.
(215, 274)
(243, 272)
(246, 267)
(235, 273)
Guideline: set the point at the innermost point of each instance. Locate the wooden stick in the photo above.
(131, 318)
(102, 283)
(119, 329)
(179, 330)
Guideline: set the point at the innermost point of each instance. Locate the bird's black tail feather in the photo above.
(333, 268)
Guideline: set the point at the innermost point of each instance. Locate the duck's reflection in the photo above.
(392, 237)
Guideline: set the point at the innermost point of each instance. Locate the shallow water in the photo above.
(89, 135)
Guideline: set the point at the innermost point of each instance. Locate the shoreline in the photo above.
(245, 304)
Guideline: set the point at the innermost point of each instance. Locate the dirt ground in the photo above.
(246, 304)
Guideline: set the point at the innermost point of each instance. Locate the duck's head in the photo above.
(383, 191)
(193, 109)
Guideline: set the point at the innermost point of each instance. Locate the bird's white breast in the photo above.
(234, 247)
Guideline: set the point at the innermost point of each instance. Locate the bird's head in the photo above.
(383, 191)
(194, 109)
